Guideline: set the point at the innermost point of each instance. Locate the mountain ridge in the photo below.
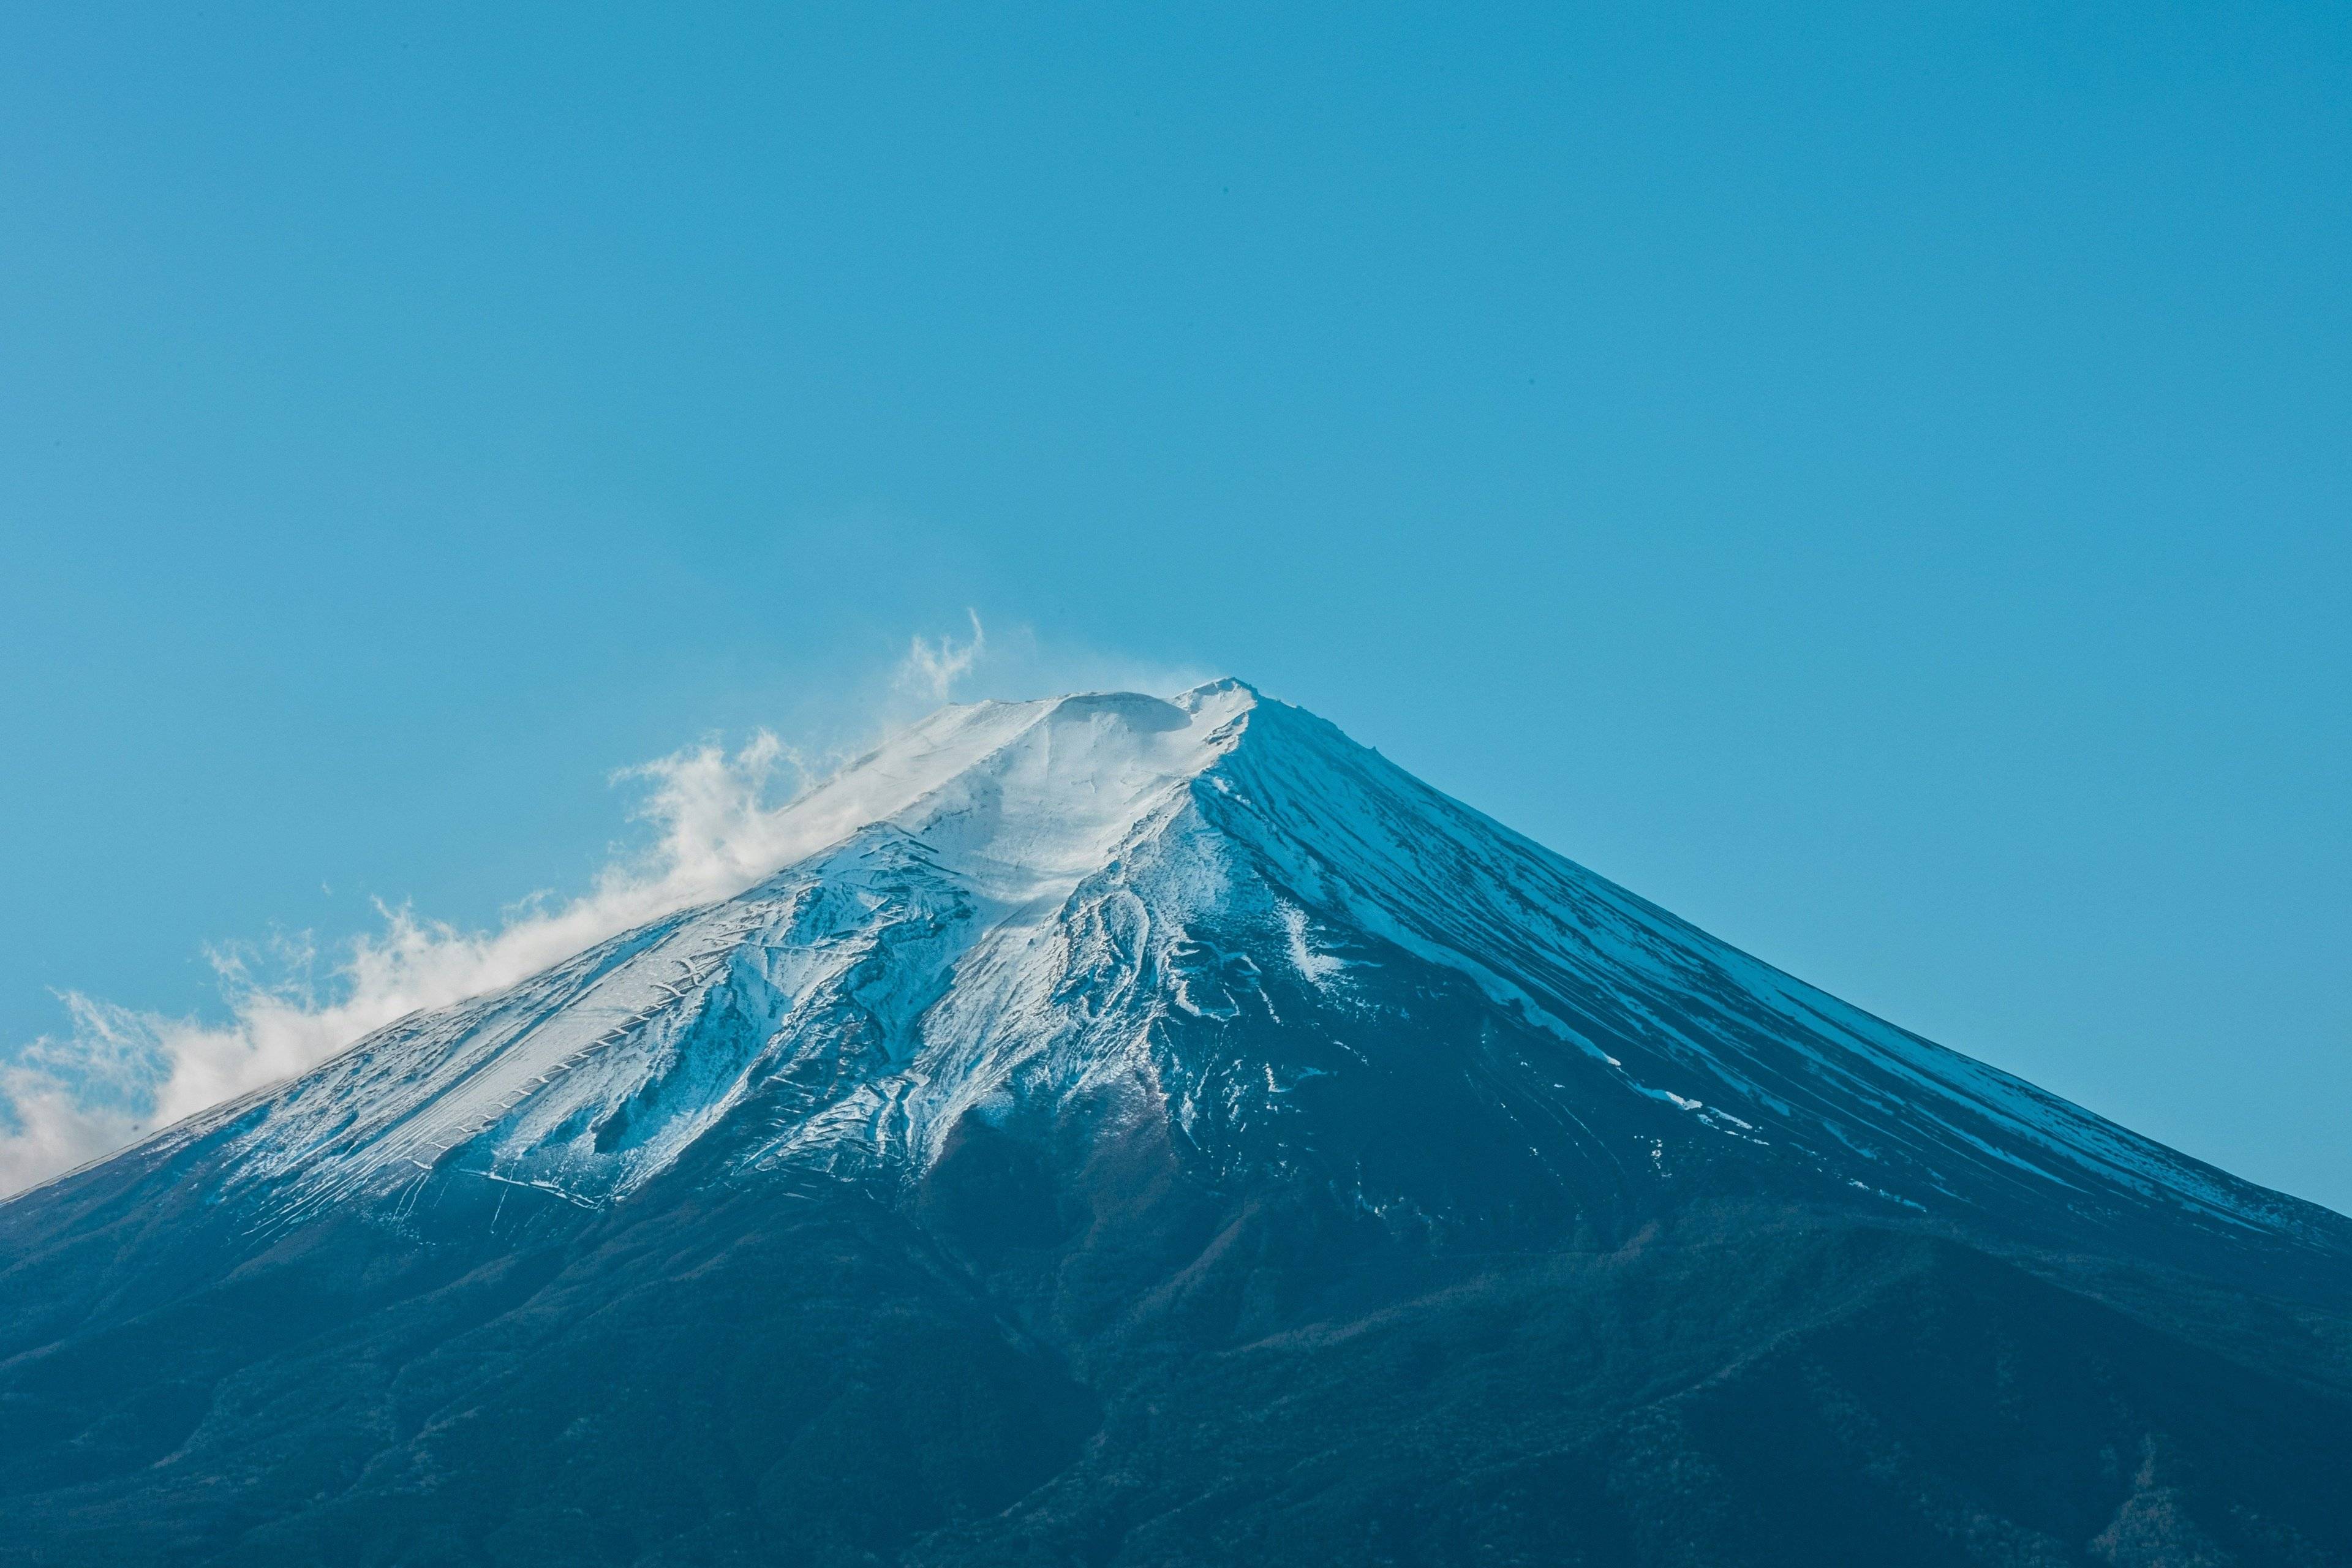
(993, 838)
(1147, 1083)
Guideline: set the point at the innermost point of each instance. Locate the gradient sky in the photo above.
(1880, 485)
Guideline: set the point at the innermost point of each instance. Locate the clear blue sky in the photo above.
(1879, 484)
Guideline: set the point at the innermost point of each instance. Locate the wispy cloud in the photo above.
(717, 824)
(931, 669)
(118, 1073)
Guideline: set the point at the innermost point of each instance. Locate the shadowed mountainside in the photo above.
(1138, 1131)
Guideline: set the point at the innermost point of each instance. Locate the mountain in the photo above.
(1136, 1132)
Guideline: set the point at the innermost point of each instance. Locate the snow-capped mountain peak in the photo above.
(1216, 916)
(1036, 792)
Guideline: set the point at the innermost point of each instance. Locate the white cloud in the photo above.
(930, 669)
(120, 1073)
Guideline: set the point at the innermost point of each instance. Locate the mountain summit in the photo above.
(1128, 1130)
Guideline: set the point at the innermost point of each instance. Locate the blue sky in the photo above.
(1876, 484)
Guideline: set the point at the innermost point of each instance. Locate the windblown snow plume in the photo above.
(719, 823)
(931, 669)
(720, 820)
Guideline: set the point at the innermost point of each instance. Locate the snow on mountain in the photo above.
(996, 809)
(1215, 909)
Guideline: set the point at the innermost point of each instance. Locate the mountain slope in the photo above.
(1108, 1103)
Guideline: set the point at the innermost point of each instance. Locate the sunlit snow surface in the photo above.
(1089, 901)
